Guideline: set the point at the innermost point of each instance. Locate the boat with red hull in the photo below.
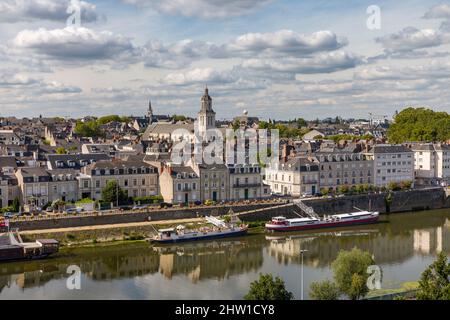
(307, 223)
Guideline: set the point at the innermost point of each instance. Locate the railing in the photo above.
(310, 182)
(146, 210)
(306, 209)
(246, 185)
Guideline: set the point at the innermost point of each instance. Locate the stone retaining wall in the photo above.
(128, 217)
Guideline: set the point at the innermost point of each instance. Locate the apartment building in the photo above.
(391, 163)
(344, 168)
(179, 184)
(297, 176)
(214, 181)
(431, 164)
(33, 184)
(246, 182)
(136, 178)
(63, 185)
(8, 190)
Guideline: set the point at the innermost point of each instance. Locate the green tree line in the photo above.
(420, 124)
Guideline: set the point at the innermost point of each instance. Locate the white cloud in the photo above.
(287, 42)
(55, 10)
(205, 9)
(432, 70)
(55, 87)
(199, 75)
(9, 78)
(74, 43)
(411, 38)
(322, 63)
(441, 11)
(179, 54)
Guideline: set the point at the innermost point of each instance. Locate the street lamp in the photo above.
(302, 251)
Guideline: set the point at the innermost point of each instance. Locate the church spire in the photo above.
(206, 117)
(150, 112)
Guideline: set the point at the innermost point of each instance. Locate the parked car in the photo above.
(198, 203)
(318, 194)
(49, 209)
(165, 205)
(71, 210)
(140, 206)
(11, 214)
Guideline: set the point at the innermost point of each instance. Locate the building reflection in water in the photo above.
(386, 247)
(432, 240)
(197, 261)
(206, 260)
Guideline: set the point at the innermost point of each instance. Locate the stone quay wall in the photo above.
(92, 219)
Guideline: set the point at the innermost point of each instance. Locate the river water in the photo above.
(403, 245)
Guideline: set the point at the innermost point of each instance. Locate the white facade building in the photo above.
(432, 164)
(391, 163)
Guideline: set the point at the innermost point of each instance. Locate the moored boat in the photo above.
(13, 248)
(308, 223)
(182, 234)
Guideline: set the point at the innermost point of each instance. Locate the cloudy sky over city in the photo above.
(275, 58)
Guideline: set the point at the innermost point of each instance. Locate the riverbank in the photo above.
(124, 232)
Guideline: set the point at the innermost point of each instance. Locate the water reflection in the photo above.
(392, 242)
(385, 241)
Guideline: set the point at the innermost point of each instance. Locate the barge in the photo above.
(13, 248)
(307, 223)
(181, 234)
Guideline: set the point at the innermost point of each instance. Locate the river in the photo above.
(403, 245)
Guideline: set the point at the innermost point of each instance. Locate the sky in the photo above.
(278, 59)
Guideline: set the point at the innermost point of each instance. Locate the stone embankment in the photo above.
(118, 217)
(390, 202)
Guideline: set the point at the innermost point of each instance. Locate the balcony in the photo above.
(310, 182)
(246, 185)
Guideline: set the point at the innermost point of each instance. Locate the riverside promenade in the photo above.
(389, 202)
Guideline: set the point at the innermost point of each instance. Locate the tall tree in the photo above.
(325, 290)
(113, 193)
(268, 288)
(434, 283)
(346, 266)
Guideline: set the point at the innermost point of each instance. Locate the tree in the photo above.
(58, 204)
(434, 283)
(406, 184)
(393, 186)
(301, 122)
(61, 150)
(346, 265)
(324, 191)
(89, 129)
(419, 124)
(325, 290)
(113, 193)
(112, 118)
(15, 205)
(358, 287)
(268, 288)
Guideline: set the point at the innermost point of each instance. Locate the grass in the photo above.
(406, 286)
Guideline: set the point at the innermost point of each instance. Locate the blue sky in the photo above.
(298, 58)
